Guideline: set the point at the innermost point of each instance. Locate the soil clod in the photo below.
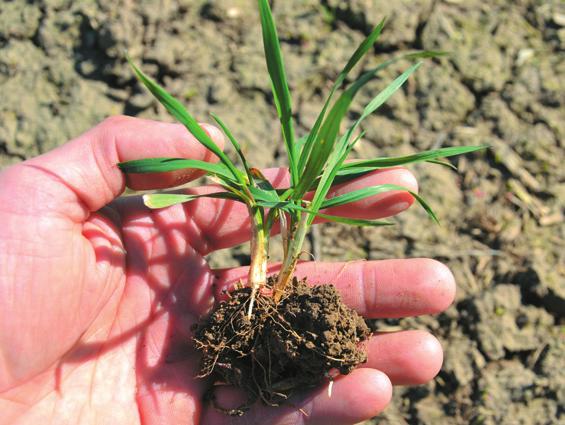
(284, 348)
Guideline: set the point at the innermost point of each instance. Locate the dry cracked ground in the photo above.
(62, 70)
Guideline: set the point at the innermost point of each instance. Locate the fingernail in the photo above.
(399, 207)
(215, 134)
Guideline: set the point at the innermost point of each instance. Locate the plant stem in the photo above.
(284, 232)
(296, 235)
(259, 244)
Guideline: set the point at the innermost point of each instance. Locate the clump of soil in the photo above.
(283, 348)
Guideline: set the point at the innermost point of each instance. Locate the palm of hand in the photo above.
(110, 325)
(98, 307)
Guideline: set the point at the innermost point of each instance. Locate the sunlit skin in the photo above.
(98, 294)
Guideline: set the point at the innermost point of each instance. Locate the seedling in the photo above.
(276, 342)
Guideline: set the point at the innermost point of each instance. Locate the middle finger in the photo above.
(375, 289)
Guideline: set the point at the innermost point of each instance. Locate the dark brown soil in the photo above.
(283, 348)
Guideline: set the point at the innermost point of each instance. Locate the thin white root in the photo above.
(331, 384)
(251, 303)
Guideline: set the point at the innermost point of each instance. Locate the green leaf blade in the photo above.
(235, 144)
(260, 194)
(337, 157)
(162, 200)
(366, 192)
(426, 54)
(165, 200)
(378, 163)
(355, 221)
(324, 144)
(383, 96)
(177, 110)
(353, 60)
(443, 164)
(290, 206)
(162, 165)
(277, 73)
(360, 52)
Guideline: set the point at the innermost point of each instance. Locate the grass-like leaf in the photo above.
(366, 192)
(336, 159)
(290, 206)
(328, 133)
(263, 183)
(325, 140)
(264, 191)
(377, 163)
(161, 165)
(355, 169)
(177, 110)
(235, 144)
(355, 221)
(371, 39)
(360, 52)
(383, 96)
(323, 147)
(345, 145)
(281, 92)
(443, 164)
(164, 200)
(300, 142)
(426, 54)
(353, 60)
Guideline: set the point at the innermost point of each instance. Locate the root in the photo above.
(251, 302)
(283, 347)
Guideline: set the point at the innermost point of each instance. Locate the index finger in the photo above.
(84, 173)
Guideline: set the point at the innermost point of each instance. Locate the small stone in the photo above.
(141, 100)
(559, 19)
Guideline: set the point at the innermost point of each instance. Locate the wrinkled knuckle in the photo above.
(368, 282)
(114, 120)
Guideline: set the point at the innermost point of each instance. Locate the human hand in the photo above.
(98, 295)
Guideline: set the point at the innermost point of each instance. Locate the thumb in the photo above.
(83, 173)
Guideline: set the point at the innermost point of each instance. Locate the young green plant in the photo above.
(316, 161)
